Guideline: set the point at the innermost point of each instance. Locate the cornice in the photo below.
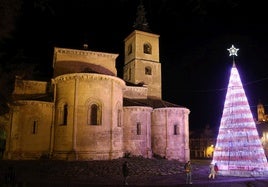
(86, 76)
(138, 108)
(84, 53)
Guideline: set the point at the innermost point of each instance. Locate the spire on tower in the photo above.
(141, 22)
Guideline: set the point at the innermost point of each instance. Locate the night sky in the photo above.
(194, 37)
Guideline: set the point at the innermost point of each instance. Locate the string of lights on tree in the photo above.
(238, 150)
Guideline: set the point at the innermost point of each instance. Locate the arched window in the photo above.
(65, 114)
(138, 128)
(129, 50)
(94, 114)
(176, 129)
(119, 115)
(147, 48)
(148, 70)
(34, 127)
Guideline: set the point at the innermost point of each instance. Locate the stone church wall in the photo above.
(65, 130)
(137, 131)
(135, 92)
(30, 134)
(153, 81)
(79, 139)
(169, 133)
(29, 87)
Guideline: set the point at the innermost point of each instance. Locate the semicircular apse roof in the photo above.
(66, 67)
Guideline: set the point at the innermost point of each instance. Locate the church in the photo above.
(87, 112)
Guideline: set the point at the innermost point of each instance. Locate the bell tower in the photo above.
(141, 63)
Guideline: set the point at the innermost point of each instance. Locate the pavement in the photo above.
(143, 172)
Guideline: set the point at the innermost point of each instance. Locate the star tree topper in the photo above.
(233, 51)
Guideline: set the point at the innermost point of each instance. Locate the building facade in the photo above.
(87, 112)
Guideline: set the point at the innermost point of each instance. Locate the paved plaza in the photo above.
(143, 172)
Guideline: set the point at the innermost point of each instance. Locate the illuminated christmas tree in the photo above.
(238, 151)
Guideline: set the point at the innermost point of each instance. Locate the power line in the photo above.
(256, 81)
(223, 89)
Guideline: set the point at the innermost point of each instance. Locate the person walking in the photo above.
(216, 169)
(125, 170)
(188, 171)
(212, 171)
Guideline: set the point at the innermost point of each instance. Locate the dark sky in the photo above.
(194, 37)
